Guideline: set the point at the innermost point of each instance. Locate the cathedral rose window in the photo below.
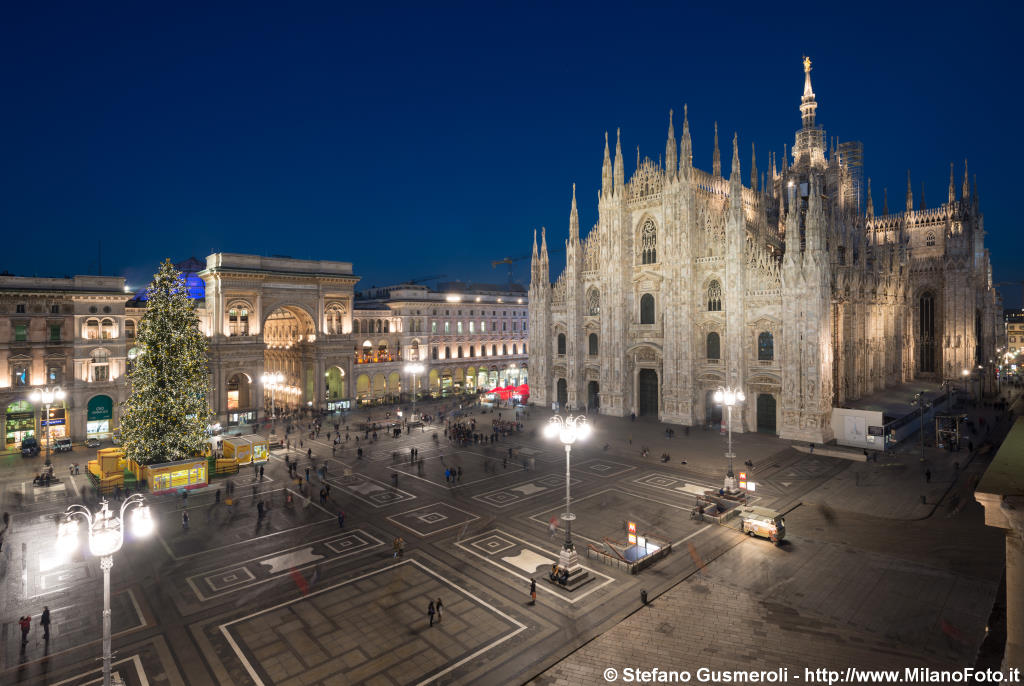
(648, 243)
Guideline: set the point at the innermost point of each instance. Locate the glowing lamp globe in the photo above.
(552, 430)
(142, 522)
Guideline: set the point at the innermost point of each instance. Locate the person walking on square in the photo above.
(184, 520)
(394, 544)
(261, 472)
(45, 621)
(341, 519)
(26, 625)
(401, 546)
(440, 610)
(430, 613)
(533, 591)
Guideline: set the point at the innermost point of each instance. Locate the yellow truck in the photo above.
(763, 522)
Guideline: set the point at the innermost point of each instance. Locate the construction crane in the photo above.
(422, 279)
(512, 260)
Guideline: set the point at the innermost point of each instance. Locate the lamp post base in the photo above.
(731, 485)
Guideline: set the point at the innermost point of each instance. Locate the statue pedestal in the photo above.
(569, 560)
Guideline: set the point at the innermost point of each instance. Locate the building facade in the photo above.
(467, 337)
(789, 288)
(69, 332)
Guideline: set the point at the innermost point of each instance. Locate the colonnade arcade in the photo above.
(393, 384)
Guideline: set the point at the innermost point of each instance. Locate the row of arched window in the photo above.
(713, 345)
(714, 302)
(435, 352)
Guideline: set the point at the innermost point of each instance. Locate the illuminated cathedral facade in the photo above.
(790, 288)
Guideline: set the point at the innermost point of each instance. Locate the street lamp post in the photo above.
(106, 536)
(47, 396)
(414, 368)
(272, 380)
(922, 406)
(568, 430)
(965, 374)
(730, 397)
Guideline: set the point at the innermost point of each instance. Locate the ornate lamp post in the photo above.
(46, 396)
(730, 397)
(414, 368)
(106, 536)
(921, 406)
(272, 380)
(966, 373)
(568, 430)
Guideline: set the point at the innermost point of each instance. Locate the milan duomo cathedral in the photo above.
(791, 288)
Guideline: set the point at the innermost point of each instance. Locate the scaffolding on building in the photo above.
(852, 155)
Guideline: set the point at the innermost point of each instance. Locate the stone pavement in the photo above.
(298, 599)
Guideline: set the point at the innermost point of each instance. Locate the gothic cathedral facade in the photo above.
(789, 288)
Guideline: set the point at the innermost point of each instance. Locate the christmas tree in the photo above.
(166, 415)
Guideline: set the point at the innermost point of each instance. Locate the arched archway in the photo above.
(335, 383)
(379, 386)
(712, 410)
(766, 413)
(647, 393)
(562, 393)
(363, 387)
(239, 390)
(593, 397)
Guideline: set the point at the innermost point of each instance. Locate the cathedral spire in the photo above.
(753, 167)
(952, 188)
(670, 149)
(686, 146)
(910, 194)
(871, 204)
(534, 258)
(807, 102)
(620, 175)
(734, 173)
(965, 189)
(785, 157)
(606, 169)
(716, 161)
(574, 219)
(543, 246)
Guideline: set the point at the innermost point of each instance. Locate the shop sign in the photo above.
(631, 528)
(100, 407)
(15, 416)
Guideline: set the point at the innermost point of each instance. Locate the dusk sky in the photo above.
(415, 142)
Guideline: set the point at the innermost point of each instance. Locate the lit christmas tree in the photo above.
(166, 415)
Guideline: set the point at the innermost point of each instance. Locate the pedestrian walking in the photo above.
(394, 544)
(440, 610)
(261, 472)
(26, 624)
(184, 520)
(341, 519)
(533, 591)
(401, 546)
(307, 475)
(927, 476)
(459, 472)
(45, 621)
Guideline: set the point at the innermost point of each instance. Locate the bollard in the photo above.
(643, 597)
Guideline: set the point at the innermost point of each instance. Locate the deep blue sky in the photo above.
(418, 141)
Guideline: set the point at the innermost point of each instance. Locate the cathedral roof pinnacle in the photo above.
(716, 163)
(871, 204)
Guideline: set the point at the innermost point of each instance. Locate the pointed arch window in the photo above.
(765, 346)
(648, 242)
(929, 238)
(714, 296)
(592, 344)
(714, 346)
(647, 309)
(561, 344)
(926, 324)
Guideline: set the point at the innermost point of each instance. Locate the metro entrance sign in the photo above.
(743, 479)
